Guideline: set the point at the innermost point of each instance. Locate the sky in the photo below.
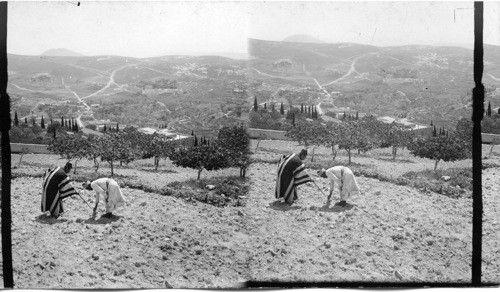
(148, 28)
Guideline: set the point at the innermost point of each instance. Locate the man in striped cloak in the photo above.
(56, 186)
(291, 174)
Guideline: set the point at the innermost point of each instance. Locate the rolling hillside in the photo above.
(424, 82)
(195, 92)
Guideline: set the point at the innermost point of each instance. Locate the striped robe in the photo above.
(291, 173)
(56, 186)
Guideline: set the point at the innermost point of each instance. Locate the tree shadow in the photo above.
(49, 219)
(282, 206)
(102, 220)
(152, 170)
(397, 160)
(337, 208)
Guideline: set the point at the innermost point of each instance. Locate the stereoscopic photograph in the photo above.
(249, 144)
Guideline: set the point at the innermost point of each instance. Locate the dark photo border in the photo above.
(477, 114)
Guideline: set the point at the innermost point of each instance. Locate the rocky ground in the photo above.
(154, 242)
(389, 233)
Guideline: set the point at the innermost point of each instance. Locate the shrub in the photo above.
(228, 190)
(209, 157)
(236, 141)
(439, 148)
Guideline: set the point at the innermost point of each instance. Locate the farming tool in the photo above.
(84, 201)
(319, 188)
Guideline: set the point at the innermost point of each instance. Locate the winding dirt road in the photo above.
(111, 81)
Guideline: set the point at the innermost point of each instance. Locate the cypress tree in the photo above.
(282, 110)
(301, 108)
(104, 129)
(26, 121)
(357, 117)
(195, 141)
(54, 132)
(42, 123)
(265, 106)
(62, 121)
(255, 104)
(488, 112)
(117, 128)
(192, 133)
(434, 133)
(432, 124)
(16, 120)
(344, 116)
(293, 120)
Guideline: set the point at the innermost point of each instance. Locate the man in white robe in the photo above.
(345, 180)
(109, 189)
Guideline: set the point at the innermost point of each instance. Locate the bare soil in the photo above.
(155, 241)
(388, 233)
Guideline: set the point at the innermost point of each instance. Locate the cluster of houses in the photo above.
(99, 129)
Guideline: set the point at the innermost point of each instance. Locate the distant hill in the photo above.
(309, 53)
(302, 38)
(425, 82)
(61, 52)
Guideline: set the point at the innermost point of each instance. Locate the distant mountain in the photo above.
(230, 55)
(61, 52)
(302, 38)
(308, 53)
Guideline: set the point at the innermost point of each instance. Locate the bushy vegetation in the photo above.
(231, 149)
(262, 119)
(368, 133)
(235, 141)
(226, 190)
(30, 131)
(439, 148)
(119, 146)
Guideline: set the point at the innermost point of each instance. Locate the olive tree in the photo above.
(332, 137)
(71, 147)
(398, 136)
(209, 157)
(235, 141)
(439, 148)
